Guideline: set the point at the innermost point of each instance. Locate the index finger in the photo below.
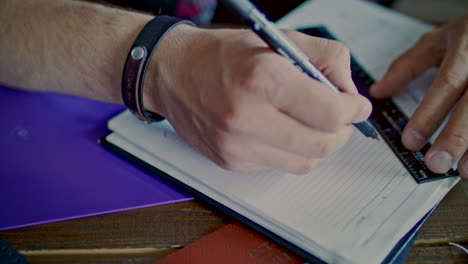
(452, 142)
(331, 57)
(315, 105)
(425, 54)
(448, 87)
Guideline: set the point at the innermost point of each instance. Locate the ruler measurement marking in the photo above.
(388, 119)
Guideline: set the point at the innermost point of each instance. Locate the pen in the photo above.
(278, 41)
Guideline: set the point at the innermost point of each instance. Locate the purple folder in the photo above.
(52, 167)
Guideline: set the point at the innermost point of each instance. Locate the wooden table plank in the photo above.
(437, 254)
(148, 234)
(450, 219)
(448, 223)
(159, 227)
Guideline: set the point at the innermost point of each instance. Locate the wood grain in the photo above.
(448, 223)
(148, 234)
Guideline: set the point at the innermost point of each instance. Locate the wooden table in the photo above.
(146, 235)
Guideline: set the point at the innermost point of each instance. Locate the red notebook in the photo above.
(232, 244)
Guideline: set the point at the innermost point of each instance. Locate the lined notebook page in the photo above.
(352, 208)
(341, 205)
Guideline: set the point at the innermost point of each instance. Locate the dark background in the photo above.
(274, 10)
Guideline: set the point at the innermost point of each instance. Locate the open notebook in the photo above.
(357, 204)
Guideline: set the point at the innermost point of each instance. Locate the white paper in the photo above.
(357, 203)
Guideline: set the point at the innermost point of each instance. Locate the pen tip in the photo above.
(375, 135)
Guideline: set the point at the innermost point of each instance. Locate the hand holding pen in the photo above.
(246, 108)
(225, 92)
(278, 41)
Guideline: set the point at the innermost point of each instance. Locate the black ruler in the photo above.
(388, 119)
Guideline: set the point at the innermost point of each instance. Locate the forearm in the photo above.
(66, 46)
(224, 91)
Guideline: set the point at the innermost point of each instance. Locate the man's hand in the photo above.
(225, 92)
(446, 47)
(247, 108)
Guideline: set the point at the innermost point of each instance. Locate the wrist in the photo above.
(168, 65)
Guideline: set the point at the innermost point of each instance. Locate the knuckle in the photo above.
(452, 81)
(303, 167)
(230, 166)
(259, 79)
(431, 40)
(225, 147)
(232, 120)
(402, 63)
(228, 120)
(253, 75)
(426, 124)
(343, 51)
(459, 140)
(340, 50)
(220, 156)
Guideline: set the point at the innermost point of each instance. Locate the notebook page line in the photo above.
(390, 216)
(340, 190)
(368, 176)
(259, 197)
(394, 182)
(311, 203)
(334, 176)
(245, 209)
(362, 198)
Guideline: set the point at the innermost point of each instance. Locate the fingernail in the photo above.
(412, 139)
(440, 162)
